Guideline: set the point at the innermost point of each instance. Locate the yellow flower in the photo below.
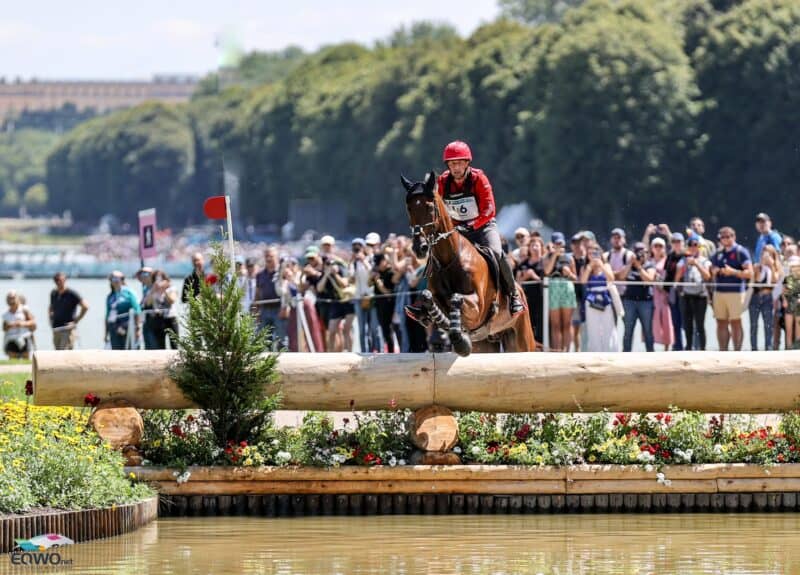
(132, 475)
(592, 458)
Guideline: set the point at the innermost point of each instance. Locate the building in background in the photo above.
(97, 95)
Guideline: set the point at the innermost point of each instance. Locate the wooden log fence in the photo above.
(712, 382)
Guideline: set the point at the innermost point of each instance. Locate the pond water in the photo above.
(512, 544)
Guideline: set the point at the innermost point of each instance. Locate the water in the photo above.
(94, 291)
(513, 544)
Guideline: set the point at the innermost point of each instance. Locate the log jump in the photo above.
(728, 382)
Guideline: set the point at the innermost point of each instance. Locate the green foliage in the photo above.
(222, 364)
(49, 457)
(22, 164)
(36, 196)
(617, 111)
(537, 11)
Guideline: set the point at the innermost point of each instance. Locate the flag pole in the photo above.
(230, 234)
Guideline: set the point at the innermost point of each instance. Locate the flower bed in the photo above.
(180, 439)
(49, 457)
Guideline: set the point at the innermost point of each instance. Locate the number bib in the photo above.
(462, 209)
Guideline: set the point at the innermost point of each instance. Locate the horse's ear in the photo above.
(407, 184)
(430, 183)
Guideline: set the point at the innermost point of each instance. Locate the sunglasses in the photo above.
(725, 237)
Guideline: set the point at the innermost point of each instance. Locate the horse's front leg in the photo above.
(433, 310)
(462, 345)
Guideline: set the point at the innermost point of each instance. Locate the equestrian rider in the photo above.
(467, 193)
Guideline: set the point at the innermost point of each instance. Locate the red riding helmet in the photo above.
(457, 150)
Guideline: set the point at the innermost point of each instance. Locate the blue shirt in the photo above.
(736, 257)
(773, 238)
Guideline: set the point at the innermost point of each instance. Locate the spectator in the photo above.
(372, 246)
(521, 238)
(383, 279)
(761, 301)
(64, 303)
(414, 271)
(335, 286)
(618, 257)
(675, 255)
(268, 299)
(637, 300)
(192, 282)
(162, 299)
(767, 236)
(694, 269)
(731, 268)
(788, 247)
(18, 325)
(120, 303)
(560, 268)
(529, 273)
(145, 277)
(791, 300)
(662, 317)
(579, 313)
(360, 271)
(698, 228)
(247, 283)
(601, 321)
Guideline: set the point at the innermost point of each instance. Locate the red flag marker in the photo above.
(214, 208)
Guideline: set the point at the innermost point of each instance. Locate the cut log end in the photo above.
(434, 429)
(118, 423)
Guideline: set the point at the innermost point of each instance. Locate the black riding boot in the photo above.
(509, 287)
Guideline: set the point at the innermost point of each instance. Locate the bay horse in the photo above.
(462, 296)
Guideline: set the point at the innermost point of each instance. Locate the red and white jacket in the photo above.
(471, 202)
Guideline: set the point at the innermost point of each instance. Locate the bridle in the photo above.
(431, 239)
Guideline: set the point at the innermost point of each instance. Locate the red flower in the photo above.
(770, 444)
(345, 420)
(190, 418)
(659, 416)
(523, 432)
(29, 387)
(176, 430)
(667, 418)
(634, 432)
(91, 399)
(211, 279)
(781, 457)
(228, 450)
(492, 447)
(372, 458)
(243, 444)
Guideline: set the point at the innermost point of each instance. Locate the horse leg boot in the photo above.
(509, 286)
(434, 312)
(460, 341)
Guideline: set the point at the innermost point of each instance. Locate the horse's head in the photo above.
(423, 214)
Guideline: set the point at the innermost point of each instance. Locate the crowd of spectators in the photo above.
(664, 282)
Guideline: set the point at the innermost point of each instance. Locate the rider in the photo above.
(467, 193)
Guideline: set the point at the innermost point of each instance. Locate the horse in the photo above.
(462, 297)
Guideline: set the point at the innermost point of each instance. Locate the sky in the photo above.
(102, 39)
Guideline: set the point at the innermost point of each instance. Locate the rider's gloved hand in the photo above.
(464, 228)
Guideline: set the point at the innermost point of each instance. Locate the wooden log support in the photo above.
(732, 382)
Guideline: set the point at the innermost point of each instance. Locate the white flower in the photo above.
(392, 461)
(717, 448)
(339, 458)
(401, 462)
(661, 478)
(283, 456)
(184, 477)
(276, 442)
(476, 449)
(175, 474)
(648, 468)
(645, 457)
(456, 449)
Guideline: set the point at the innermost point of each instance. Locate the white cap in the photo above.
(372, 239)
(659, 241)
(521, 231)
(327, 240)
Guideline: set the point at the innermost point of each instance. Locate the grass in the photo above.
(12, 386)
(14, 362)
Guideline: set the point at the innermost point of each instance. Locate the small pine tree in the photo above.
(223, 363)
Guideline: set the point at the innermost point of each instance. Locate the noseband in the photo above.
(431, 239)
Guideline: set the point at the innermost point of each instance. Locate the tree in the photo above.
(223, 364)
(35, 197)
(537, 11)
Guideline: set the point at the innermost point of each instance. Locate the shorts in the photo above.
(340, 309)
(323, 311)
(728, 305)
(561, 294)
(64, 339)
(14, 347)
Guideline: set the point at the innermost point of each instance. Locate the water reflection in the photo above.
(591, 544)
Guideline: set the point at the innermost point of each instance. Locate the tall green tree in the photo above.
(537, 11)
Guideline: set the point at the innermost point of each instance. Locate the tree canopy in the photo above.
(611, 112)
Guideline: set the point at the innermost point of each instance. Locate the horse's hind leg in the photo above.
(460, 341)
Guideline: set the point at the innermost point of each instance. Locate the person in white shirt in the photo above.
(369, 328)
(18, 327)
(247, 283)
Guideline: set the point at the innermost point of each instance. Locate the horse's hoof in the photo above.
(462, 346)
